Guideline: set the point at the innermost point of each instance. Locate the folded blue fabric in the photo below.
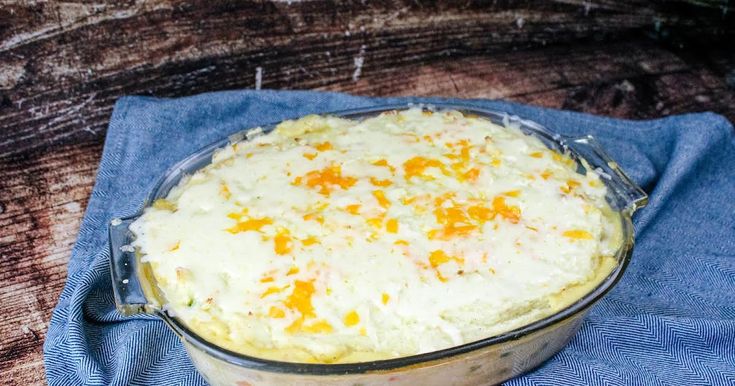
(671, 320)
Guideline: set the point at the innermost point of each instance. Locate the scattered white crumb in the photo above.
(626, 86)
(359, 61)
(657, 25)
(259, 77)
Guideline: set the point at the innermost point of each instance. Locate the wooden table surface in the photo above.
(63, 64)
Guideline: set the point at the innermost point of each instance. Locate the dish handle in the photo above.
(626, 194)
(128, 283)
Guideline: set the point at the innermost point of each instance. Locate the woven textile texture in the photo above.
(670, 321)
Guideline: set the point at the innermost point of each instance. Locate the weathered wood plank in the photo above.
(85, 52)
(62, 65)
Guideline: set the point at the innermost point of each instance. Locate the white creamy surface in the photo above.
(332, 240)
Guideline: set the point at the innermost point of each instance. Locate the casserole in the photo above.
(498, 357)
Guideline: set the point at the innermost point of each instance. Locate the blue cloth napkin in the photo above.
(671, 319)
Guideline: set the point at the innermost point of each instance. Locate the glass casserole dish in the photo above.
(487, 361)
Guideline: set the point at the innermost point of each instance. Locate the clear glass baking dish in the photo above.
(487, 361)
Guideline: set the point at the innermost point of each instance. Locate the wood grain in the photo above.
(63, 64)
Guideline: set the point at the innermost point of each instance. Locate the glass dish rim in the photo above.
(623, 256)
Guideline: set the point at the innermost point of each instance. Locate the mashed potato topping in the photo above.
(332, 240)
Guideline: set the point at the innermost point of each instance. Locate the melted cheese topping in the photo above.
(331, 240)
